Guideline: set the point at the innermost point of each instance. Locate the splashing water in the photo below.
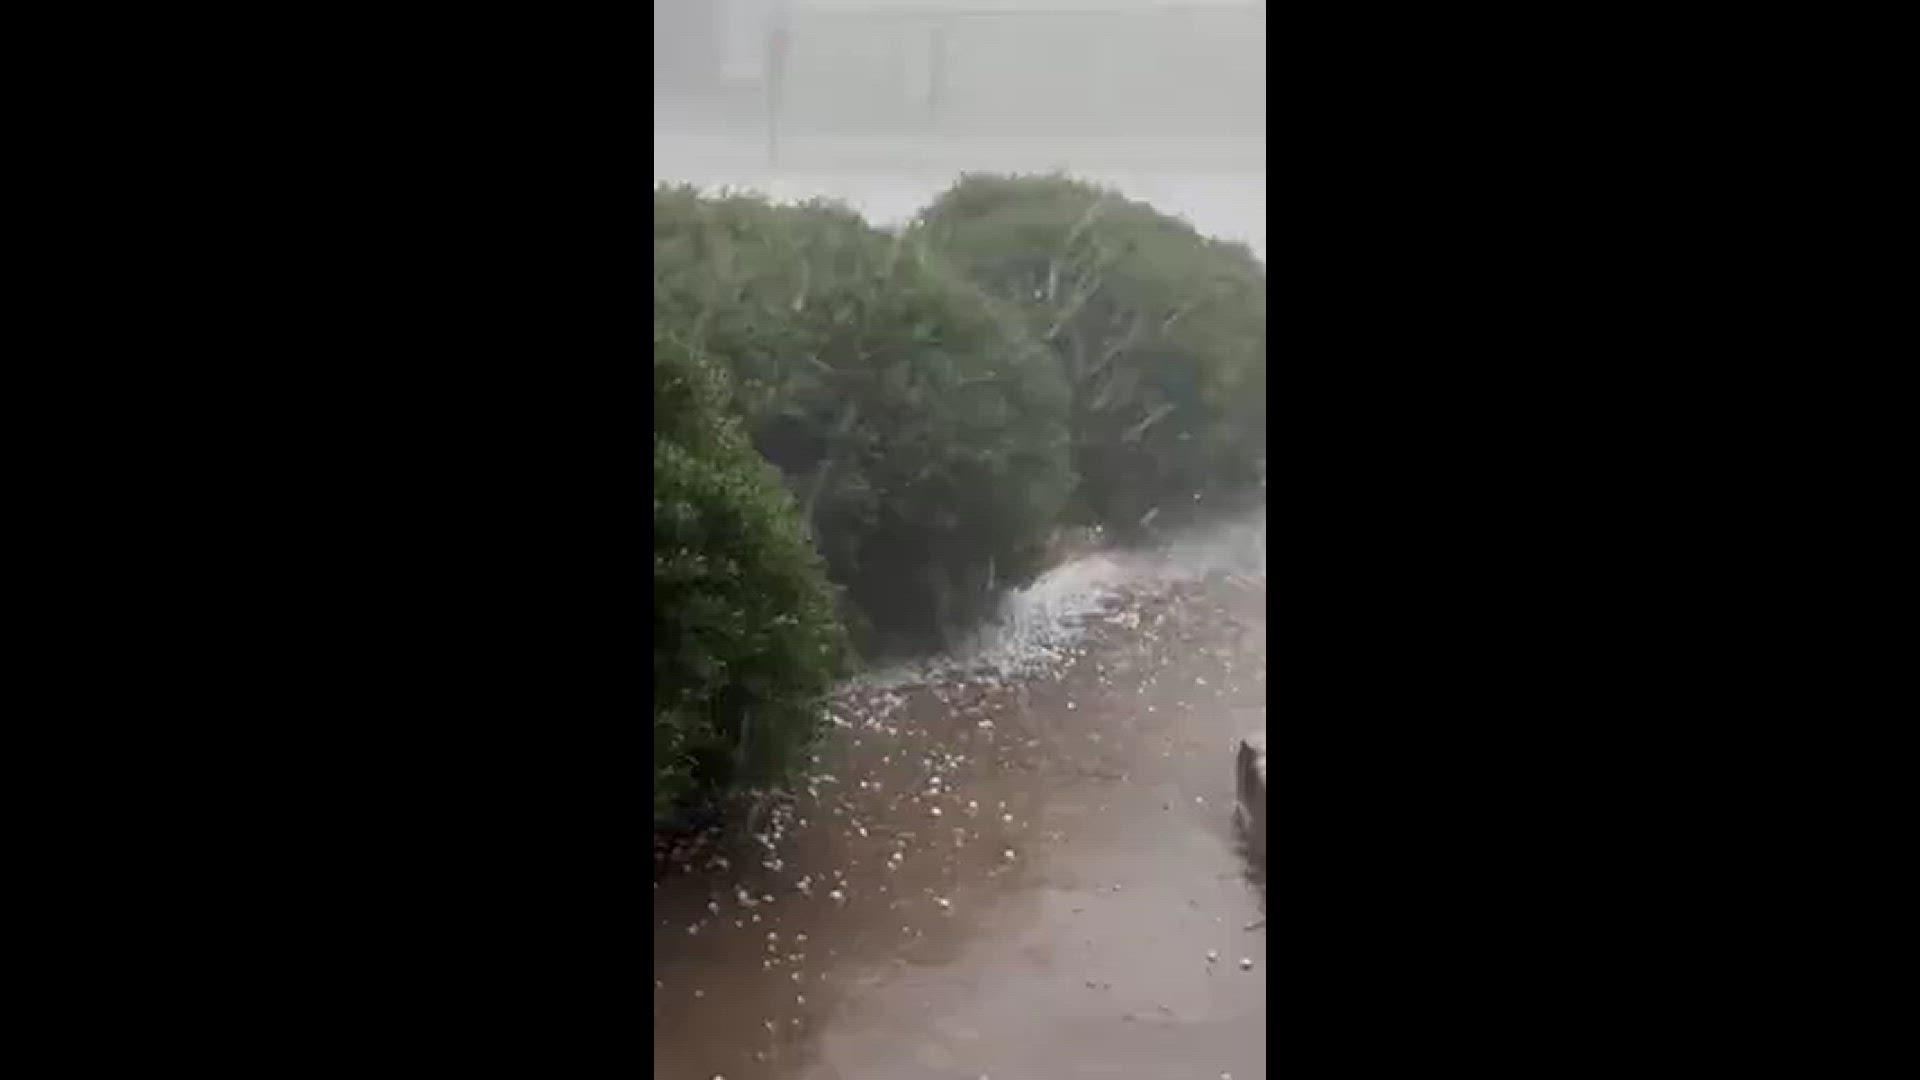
(1036, 626)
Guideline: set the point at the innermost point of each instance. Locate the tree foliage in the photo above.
(872, 430)
(745, 643)
(1160, 332)
(922, 430)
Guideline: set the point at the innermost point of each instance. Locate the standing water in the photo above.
(1014, 861)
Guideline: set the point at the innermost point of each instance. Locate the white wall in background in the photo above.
(745, 26)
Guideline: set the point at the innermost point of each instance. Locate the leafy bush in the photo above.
(920, 427)
(1161, 333)
(745, 644)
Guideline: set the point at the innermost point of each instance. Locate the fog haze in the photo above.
(882, 103)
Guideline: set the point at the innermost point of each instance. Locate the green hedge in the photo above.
(906, 415)
(1161, 333)
(745, 643)
(921, 429)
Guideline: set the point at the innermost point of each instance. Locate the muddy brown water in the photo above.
(1032, 877)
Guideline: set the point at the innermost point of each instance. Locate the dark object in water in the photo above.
(1250, 807)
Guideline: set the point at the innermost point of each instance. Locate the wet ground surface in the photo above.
(1008, 875)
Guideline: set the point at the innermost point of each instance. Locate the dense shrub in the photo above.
(745, 644)
(921, 429)
(1160, 331)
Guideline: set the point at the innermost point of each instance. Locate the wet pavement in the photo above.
(1028, 871)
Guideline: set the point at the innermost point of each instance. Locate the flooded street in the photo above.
(1019, 863)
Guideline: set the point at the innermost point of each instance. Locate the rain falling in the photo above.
(997, 406)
